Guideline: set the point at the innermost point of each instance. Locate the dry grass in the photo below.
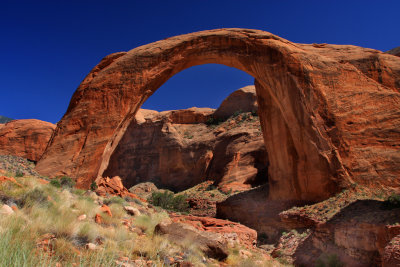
(47, 210)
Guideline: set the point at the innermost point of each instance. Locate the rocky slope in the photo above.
(181, 148)
(25, 138)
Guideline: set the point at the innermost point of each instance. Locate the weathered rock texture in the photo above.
(25, 138)
(329, 113)
(212, 236)
(242, 100)
(358, 235)
(113, 187)
(176, 149)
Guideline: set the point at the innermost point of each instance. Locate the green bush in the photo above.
(67, 182)
(214, 121)
(55, 182)
(392, 202)
(93, 186)
(19, 174)
(167, 200)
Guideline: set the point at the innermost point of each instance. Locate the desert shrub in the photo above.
(168, 201)
(67, 182)
(211, 187)
(328, 260)
(55, 182)
(392, 202)
(188, 135)
(214, 121)
(19, 174)
(93, 186)
(35, 196)
(78, 192)
(114, 199)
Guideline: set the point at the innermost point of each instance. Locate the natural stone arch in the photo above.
(301, 89)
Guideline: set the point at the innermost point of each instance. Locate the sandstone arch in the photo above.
(329, 113)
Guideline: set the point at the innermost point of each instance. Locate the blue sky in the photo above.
(48, 47)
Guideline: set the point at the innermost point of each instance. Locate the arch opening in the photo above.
(178, 149)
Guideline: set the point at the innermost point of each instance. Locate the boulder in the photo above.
(114, 187)
(209, 243)
(359, 235)
(232, 233)
(241, 100)
(25, 138)
(6, 210)
(132, 211)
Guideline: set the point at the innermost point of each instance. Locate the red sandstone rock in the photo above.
(9, 179)
(113, 186)
(106, 209)
(242, 100)
(211, 244)
(98, 218)
(233, 233)
(25, 138)
(391, 254)
(329, 113)
(358, 235)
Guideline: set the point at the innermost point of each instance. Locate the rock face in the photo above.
(25, 138)
(114, 187)
(329, 113)
(233, 233)
(359, 235)
(177, 150)
(243, 100)
(391, 255)
(212, 236)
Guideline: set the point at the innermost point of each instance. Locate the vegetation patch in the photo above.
(169, 201)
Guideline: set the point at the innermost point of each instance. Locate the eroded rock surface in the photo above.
(212, 236)
(358, 235)
(25, 138)
(177, 149)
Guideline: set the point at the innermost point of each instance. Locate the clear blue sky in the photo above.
(48, 47)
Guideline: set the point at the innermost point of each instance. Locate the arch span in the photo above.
(303, 93)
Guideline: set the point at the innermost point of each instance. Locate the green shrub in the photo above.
(55, 182)
(93, 186)
(214, 121)
(392, 202)
(19, 174)
(67, 182)
(168, 201)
